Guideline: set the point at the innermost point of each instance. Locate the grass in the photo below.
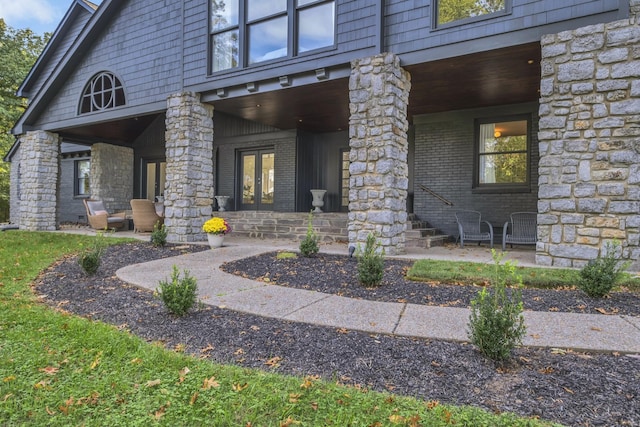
(58, 369)
(473, 273)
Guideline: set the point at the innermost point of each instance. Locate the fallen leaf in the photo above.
(314, 406)
(193, 399)
(294, 397)
(568, 390)
(239, 387)
(593, 328)
(274, 362)
(238, 352)
(210, 382)
(342, 331)
(153, 383)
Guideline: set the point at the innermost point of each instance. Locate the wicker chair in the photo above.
(470, 228)
(144, 215)
(100, 219)
(521, 230)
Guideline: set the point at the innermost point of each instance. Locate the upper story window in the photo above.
(448, 11)
(502, 154)
(247, 32)
(104, 91)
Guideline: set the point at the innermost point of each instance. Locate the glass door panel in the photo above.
(258, 179)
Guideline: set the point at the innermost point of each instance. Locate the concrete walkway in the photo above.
(587, 332)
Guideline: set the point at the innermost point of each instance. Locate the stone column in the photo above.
(378, 97)
(38, 180)
(111, 177)
(189, 150)
(589, 191)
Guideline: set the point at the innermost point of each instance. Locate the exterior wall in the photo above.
(39, 153)
(378, 97)
(111, 178)
(589, 136)
(142, 46)
(70, 208)
(409, 26)
(444, 156)
(284, 144)
(14, 189)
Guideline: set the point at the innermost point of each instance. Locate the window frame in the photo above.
(77, 178)
(89, 92)
(435, 25)
(292, 44)
(522, 187)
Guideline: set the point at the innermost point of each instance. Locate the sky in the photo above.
(40, 16)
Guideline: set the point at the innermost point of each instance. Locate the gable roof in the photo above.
(77, 10)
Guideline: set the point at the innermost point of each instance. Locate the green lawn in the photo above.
(59, 369)
(471, 273)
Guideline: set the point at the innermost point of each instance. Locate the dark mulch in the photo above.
(578, 389)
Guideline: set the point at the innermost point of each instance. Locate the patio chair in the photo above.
(470, 228)
(521, 230)
(145, 215)
(100, 219)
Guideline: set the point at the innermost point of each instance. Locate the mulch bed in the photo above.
(578, 389)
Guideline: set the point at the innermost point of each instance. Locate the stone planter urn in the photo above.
(222, 203)
(318, 199)
(215, 240)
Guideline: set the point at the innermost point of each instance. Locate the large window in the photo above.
(81, 173)
(502, 154)
(448, 11)
(104, 91)
(247, 32)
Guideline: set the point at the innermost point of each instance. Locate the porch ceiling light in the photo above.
(497, 134)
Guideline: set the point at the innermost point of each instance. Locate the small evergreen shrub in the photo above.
(496, 323)
(89, 260)
(309, 245)
(599, 276)
(370, 263)
(179, 294)
(159, 235)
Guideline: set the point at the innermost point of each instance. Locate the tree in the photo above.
(19, 50)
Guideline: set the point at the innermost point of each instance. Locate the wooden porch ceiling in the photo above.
(497, 77)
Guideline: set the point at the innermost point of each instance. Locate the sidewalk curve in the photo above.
(588, 332)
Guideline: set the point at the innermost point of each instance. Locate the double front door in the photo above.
(257, 173)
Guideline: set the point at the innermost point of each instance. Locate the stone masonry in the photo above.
(378, 98)
(38, 180)
(189, 152)
(589, 135)
(111, 176)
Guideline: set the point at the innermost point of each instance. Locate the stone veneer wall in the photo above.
(38, 180)
(14, 188)
(111, 177)
(189, 151)
(378, 97)
(589, 143)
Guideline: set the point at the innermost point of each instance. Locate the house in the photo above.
(394, 107)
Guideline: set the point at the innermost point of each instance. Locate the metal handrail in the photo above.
(434, 194)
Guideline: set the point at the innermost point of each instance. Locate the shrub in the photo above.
(179, 294)
(496, 323)
(159, 235)
(598, 277)
(89, 260)
(309, 245)
(370, 263)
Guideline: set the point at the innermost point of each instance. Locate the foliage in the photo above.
(286, 255)
(370, 262)
(216, 225)
(496, 322)
(159, 235)
(179, 294)
(89, 260)
(60, 369)
(309, 245)
(19, 50)
(598, 277)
